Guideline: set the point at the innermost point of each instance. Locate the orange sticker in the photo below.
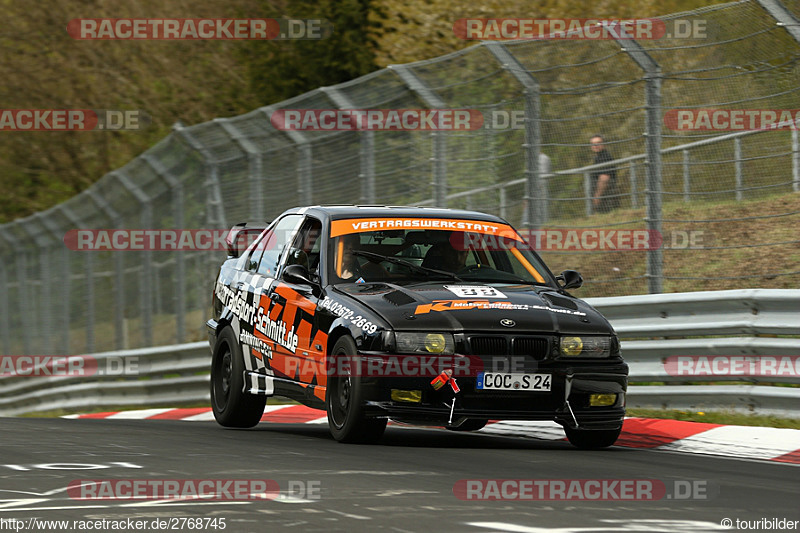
(360, 225)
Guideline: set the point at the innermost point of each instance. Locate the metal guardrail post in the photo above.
(795, 159)
(89, 276)
(737, 161)
(652, 76)
(587, 193)
(146, 290)
(634, 186)
(22, 284)
(254, 163)
(536, 193)
(687, 185)
(215, 210)
(785, 18)
(119, 287)
(788, 21)
(58, 236)
(5, 329)
(439, 160)
(305, 163)
(503, 203)
(45, 311)
(180, 264)
(304, 170)
(366, 148)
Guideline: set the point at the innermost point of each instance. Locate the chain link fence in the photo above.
(708, 194)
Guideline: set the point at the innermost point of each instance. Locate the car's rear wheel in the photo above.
(592, 439)
(345, 403)
(473, 424)
(231, 405)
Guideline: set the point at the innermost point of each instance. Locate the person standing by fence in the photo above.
(604, 180)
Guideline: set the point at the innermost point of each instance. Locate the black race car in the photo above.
(424, 316)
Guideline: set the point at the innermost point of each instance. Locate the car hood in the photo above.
(451, 307)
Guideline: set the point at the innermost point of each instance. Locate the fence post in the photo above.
(119, 287)
(587, 193)
(439, 160)
(686, 176)
(536, 193)
(788, 21)
(795, 159)
(254, 164)
(503, 203)
(43, 312)
(89, 276)
(146, 291)
(634, 186)
(58, 237)
(652, 76)
(304, 169)
(215, 210)
(737, 157)
(4, 325)
(366, 148)
(177, 212)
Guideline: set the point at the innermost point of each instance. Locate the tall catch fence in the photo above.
(677, 184)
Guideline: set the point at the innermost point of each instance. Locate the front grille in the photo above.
(535, 347)
(489, 345)
(529, 346)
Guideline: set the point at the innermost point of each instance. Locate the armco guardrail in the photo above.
(650, 325)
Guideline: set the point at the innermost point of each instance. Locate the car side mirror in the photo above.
(298, 274)
(570, 279)
(240, 237)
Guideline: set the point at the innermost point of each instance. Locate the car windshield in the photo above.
(417, 249)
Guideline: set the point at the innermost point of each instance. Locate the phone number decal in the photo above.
(348, 314)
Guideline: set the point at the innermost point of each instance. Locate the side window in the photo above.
(273, 243)
(305, 248)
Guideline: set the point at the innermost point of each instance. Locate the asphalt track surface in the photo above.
(403, 484)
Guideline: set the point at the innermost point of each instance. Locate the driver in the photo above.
(351, 269)
(443, 256)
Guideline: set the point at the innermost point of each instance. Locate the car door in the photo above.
(256, 276)
(294, 307)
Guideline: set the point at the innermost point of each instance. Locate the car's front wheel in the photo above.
(592, 439)
(345, 403)
(231, 405)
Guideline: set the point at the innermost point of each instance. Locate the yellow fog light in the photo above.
(571, 345)
(602, 400)
(414, 396)
(435, 342)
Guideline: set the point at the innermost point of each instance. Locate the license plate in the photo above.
(513, 381)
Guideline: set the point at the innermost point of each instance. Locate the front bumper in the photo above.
(567, 403)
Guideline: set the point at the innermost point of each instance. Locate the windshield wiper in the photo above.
(396, 260)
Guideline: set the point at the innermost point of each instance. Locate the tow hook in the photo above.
(567, 390)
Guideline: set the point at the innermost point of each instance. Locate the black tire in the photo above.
(233, 408)
(473, 424)
(592, 439)
(345, 404)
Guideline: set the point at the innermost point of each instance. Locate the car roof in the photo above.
(341, 211)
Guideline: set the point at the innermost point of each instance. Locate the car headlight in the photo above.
(586, 346)
(437, 343)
